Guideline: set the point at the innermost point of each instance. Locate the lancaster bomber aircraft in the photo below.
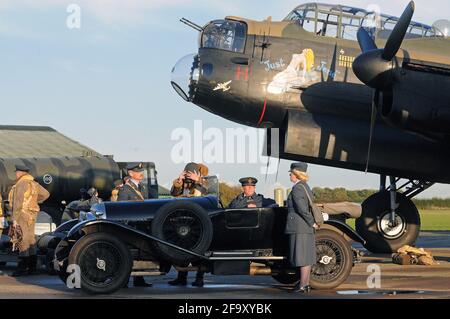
(347, 88)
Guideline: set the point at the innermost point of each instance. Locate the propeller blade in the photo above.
(373, 118)
(398, 34)
(365, 41)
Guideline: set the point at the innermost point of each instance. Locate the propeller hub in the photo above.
(373, 70)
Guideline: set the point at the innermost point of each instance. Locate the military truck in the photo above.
(63, 177)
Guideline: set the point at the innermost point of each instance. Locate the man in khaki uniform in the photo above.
(24, 199)
(190, 183)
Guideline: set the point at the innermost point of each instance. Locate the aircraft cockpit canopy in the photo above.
(225, 35)
(442, 28)
(340, 21)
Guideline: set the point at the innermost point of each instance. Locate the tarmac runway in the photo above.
(422, 282)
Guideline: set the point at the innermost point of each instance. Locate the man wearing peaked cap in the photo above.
(135, 190)
(249, 198)
(22, 168)
(24, 199)
(136, 167)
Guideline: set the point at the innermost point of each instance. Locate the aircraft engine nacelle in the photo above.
(404, 107)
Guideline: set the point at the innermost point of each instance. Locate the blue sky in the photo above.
(107, 83)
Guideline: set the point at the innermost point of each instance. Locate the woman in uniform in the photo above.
(300, 226)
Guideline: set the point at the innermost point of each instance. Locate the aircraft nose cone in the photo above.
(185, 76)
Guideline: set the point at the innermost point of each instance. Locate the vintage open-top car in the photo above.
(116, 240)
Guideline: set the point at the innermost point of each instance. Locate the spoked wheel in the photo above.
(334, 260)
(183, 228)
(104, 262)
(184, 224)
(375, 226)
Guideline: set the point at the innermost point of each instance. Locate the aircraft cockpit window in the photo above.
(327, 24)
(344, 22)
(350, 27)
(225, 35)
(441, 28)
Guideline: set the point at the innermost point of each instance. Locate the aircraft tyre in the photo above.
(375, 228)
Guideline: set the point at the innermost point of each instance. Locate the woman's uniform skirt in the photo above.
(302, 250)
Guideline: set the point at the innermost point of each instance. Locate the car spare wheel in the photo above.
(184, 224)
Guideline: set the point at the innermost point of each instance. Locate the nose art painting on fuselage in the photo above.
(299, 73)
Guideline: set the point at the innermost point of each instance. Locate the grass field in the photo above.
(432, 219)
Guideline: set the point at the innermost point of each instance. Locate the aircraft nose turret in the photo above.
(185, 76)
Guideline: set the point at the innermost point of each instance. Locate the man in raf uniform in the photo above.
(24, 199)
(249, 198)
(134, 190)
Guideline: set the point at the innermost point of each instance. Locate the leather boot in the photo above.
(181, 279)
(139, 281)
(198, 280)
(21, 267)
(32, 264)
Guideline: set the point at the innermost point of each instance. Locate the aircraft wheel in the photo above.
(334, 260)
(374, 223)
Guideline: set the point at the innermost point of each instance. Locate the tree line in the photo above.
(328, 195)
(335, 195)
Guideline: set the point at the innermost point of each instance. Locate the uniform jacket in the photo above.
(243, 201)
(26, 195)
(179, 189)
(130, 192)
(299, 218)
(24, 199)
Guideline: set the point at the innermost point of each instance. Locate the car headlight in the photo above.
(99, 211)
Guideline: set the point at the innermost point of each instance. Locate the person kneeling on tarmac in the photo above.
(190, 183)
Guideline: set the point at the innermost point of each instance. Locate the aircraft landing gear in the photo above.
(389, 218)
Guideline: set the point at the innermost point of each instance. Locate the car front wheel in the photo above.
(104, 262)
